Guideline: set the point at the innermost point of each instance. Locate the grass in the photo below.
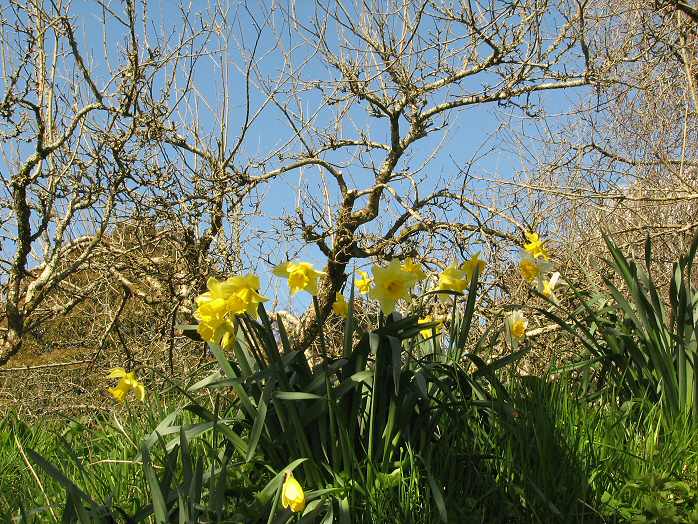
(559, 459)
(98, 452)
(398, 429)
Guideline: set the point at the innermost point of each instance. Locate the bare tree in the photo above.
(627, 163)
(171, 130)
(64, 184)
(87, 147)
(398, 73)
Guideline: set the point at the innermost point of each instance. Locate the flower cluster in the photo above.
(388, 284)
(535, 266)
(217, 308)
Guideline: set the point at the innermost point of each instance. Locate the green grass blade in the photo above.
(156, 495)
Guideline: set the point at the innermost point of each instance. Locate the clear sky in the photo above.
(477, 132)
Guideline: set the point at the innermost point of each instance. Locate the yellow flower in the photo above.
(532, 268)
(217, 308)
(528, 267)
(364, 283)
(292, 495)
(302, 276)
(469, 266)
(340, 306)
(212, 306)
(515, 327)
(127, 382)
(390, 284)
(428, 332)
(245, 298)
(452, 279)
(413, 267)
(535, 246)
(546, 287)
(222, 334)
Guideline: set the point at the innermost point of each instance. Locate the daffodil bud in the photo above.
(292, 495)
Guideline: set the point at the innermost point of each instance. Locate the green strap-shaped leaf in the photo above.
(296, 395)
(259, 420)
(156, 495)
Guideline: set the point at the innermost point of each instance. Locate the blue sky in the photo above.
(472, 132)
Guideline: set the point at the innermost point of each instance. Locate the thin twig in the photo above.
(36, 478)
(43, 366)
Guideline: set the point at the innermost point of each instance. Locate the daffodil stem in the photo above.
(318, 320)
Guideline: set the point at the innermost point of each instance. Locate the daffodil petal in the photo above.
(116, 373)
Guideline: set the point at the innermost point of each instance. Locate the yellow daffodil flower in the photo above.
(532, 268)
(340, 306)
(292, 495)
(528, 267)
(473, 263)
(413, 267)
(302, 276)
(546, 287)
(428, 332)
(364, 283)
(212, 306)
(217, 308)
(515, 327)
(452, 279)
(127, 382)
(535, 246)
(390, 284)
(245, 298)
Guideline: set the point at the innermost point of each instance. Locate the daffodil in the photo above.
(212, 306)
(413, 267)
(469, 266)
(390, 284)
(302, 276)
(364, 283)
(217, 308)
(292, 495)
(245, 297)
(532, 268)
(127, 382)
(535, 246)
(515, 327)
(340, 306)
(546, 287)
(452, 279)
(428, 332)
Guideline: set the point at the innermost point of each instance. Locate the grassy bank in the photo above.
(559, 459)
(414, 421)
